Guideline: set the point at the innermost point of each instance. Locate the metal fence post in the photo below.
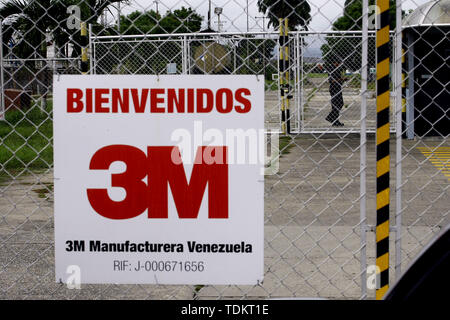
(399, 133)
(188, 56)
(185, 55)
(91, 62)
(299, 81)
(284, 78)
(363, 149)
(281, 68)
(410, 90)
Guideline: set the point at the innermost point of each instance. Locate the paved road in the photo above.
(312, 226)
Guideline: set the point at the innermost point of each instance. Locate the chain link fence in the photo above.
(320, 208)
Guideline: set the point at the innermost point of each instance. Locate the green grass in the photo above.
(286, 143)
(354, 81)
(317, 75)
(25, 140)
(45, 191)
(271, 85)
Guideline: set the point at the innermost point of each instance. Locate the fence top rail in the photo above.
(227, 34)
(40, 59)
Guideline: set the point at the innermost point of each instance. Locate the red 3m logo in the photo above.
(163, 167)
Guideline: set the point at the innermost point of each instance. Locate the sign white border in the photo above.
(77, 136)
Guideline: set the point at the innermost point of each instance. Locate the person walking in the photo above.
(335, 69)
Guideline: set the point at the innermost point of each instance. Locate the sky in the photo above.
(234, 16)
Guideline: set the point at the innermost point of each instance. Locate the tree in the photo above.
(352, 17)
(31, 20)
(139, 22)
(28, 21)
(26, 25)
(348, 48)
(298, 12)
(152, 55)
(182, 20)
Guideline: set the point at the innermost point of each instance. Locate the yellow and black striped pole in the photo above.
(284, 75)
(84, 48)
(382, 148)
(403, 92)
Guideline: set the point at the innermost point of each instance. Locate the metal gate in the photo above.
(309, 89)
(314, 86)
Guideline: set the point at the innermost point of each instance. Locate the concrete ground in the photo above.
(312, 226)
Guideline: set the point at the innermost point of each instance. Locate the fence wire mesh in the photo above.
(320, 207)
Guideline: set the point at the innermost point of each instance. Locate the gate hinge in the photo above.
(372, 228)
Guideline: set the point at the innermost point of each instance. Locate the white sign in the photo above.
(159, 179)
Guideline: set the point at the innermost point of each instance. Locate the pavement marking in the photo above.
(439, 157)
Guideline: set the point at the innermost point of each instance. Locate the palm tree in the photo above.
(31, 20)
(297, 11)
(32, 23)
